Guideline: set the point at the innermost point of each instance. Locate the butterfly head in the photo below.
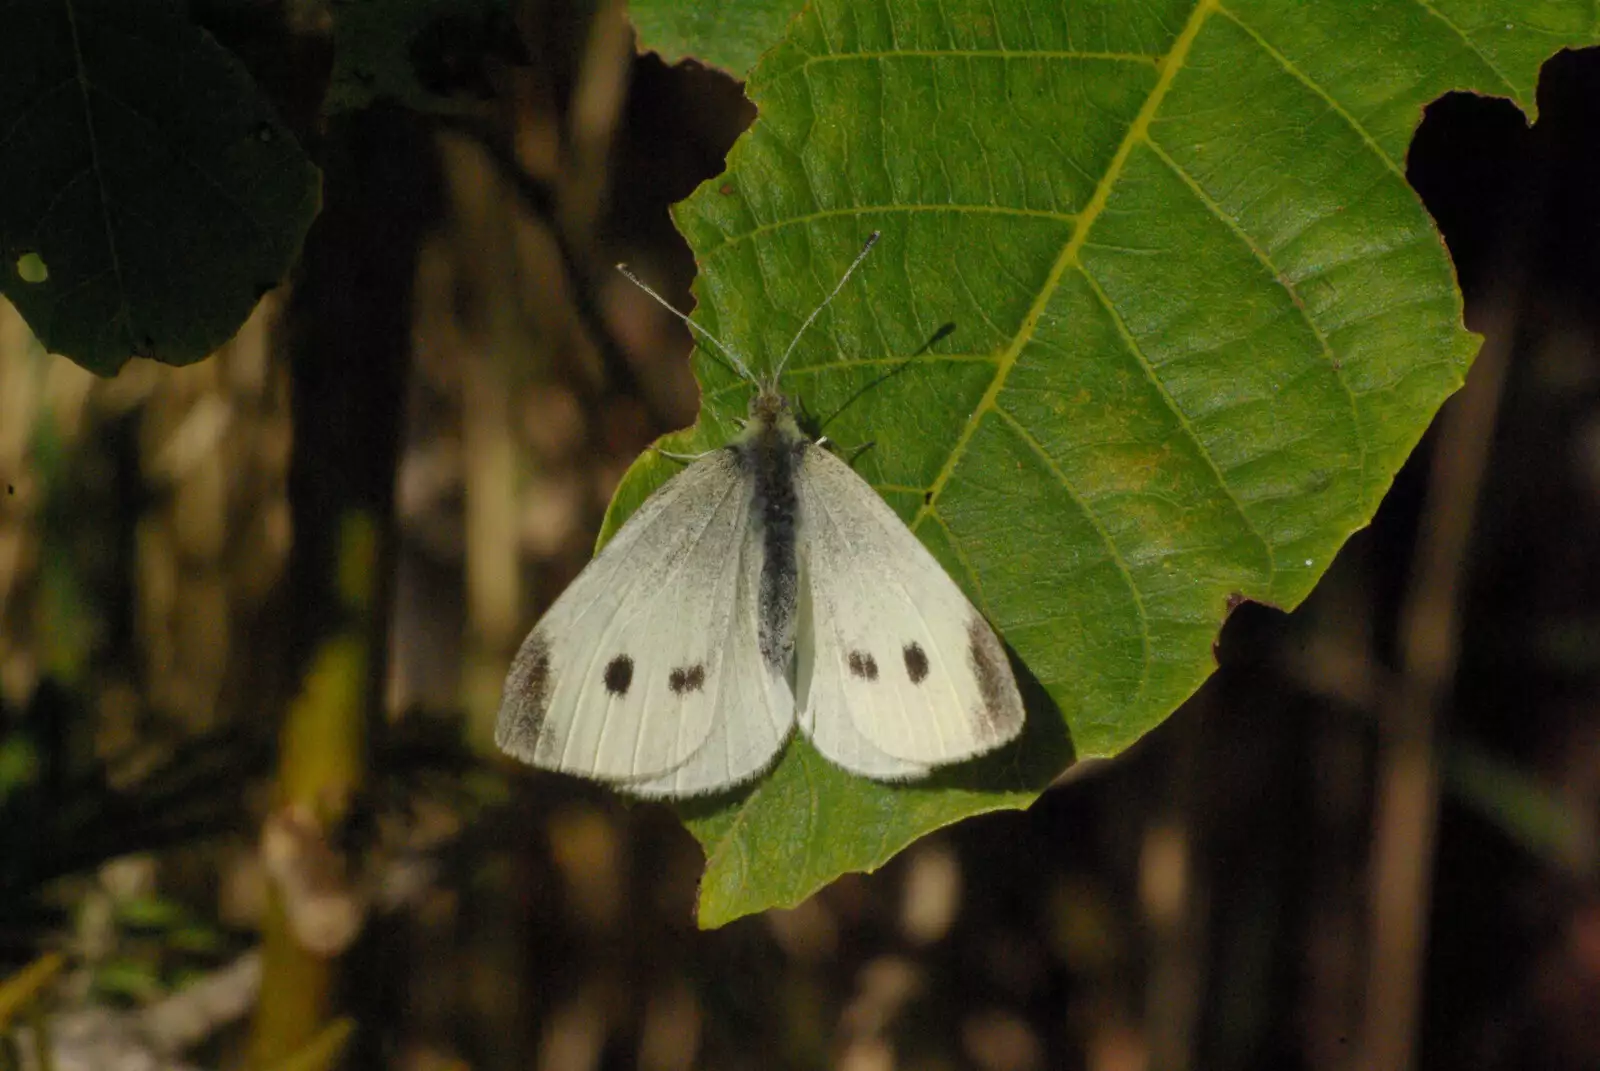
(768, 407)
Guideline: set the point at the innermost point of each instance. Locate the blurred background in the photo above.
(255, 615)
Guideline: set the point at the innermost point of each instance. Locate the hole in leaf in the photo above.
(32, 268)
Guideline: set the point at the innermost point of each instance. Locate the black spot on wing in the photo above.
(527, 697)
(863, 665)
(999, 705)
(619, 675)
(687, 679)
(916, 662)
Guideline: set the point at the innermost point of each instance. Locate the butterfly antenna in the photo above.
(872, 239)
(738, 366)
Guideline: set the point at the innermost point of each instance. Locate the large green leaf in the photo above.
(1182, 317)
(148, 194)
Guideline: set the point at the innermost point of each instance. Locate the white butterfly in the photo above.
(766, 585)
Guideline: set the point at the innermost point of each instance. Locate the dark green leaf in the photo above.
(148, 195)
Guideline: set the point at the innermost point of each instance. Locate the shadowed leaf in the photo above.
(148, 194)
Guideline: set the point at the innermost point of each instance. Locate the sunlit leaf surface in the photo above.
(1177, 320)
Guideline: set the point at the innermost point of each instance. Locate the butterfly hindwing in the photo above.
(891, 653)
(755, 704)
(611, 684)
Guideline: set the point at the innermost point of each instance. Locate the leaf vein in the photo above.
(861, 362)
(123, 313)
(1144, 59)
(157, 132)
(1305, 80)
(1182, 418)
(960, 552)
(1472, 46)
(26, 111)
(41, 220)
(861, 210)
(1398, 306)
(1170, 65)
(715, 857)
(1104, 533)
(1266, 261)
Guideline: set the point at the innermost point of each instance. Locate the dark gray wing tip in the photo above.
(518, 728)
(999, 715)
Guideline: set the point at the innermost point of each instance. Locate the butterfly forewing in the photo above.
(621, 678)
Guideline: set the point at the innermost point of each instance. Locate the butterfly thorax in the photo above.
(771, 438)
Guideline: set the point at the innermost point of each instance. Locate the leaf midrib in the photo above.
(1068, 258)
(1136, 133)
(124, 314)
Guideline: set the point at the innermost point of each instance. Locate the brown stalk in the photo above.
(1412, 711)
